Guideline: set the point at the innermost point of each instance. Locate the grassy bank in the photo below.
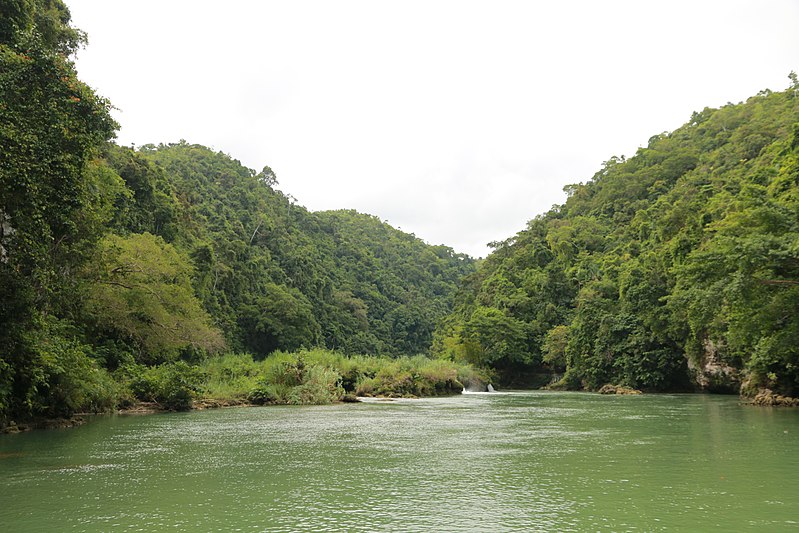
(297, 378)
(323, 376)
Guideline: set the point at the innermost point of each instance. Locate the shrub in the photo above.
(415, 376)
(231, 376)
(291, 380)
(321, 386)
(63, 378)
(171, 385)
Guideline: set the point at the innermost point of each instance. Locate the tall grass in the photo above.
(231, 376)
(322, 376)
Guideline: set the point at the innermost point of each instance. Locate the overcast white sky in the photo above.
(458, 121)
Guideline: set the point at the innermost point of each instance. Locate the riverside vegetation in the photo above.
(125, 273)
(675, 269)
(307, 377)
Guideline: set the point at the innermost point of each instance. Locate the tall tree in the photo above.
(51, 127)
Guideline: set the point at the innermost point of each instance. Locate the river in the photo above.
(527, 461)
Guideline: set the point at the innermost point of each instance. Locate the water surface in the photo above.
(533, 461)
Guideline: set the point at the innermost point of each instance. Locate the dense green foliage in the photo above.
(678, 264)
(315, 376)
(141, 291)
(172, 385)
(323, 376)
(276, 276)
(124, 272)
(52, 206)
(113, 259)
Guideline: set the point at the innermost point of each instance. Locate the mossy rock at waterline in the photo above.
(768, 398)
(618, 389)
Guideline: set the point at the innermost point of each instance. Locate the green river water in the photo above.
(531, 461)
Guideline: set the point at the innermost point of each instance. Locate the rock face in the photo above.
(6, 231)
(617, 389)
(766, 397)
(712, 374)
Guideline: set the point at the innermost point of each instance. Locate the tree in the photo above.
(51, 127)
(684, 254)
(281, 319)
(141, 290)
(554, 347)
(496, 339)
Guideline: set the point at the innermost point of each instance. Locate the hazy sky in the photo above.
(458, 121)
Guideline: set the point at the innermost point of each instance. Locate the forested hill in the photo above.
(676, 268)
(113, 260)
(274, 275)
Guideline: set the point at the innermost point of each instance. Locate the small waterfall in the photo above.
(477, 388)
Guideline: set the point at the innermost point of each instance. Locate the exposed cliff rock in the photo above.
(712, 374)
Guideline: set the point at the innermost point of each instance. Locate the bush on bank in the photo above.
(323, 376)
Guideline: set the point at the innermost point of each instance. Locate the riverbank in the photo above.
(43, 423)
(147, 408)
(307, 377)
(764, 398)
(323, 377)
